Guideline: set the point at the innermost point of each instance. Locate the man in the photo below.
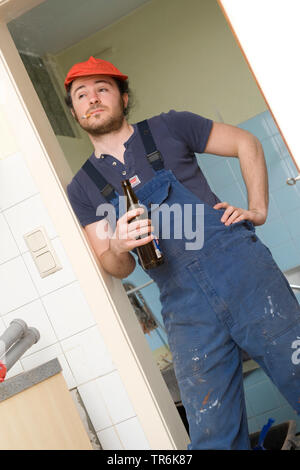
(216, 300)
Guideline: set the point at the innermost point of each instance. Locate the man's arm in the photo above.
(112, 248)
(230, 141)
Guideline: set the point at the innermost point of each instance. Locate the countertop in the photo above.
(27, 379)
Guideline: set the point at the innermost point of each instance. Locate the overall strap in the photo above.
(153, 155)
(106, 189)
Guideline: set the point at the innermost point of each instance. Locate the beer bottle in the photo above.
(150, 255)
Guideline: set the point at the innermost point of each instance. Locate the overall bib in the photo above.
(227, 296)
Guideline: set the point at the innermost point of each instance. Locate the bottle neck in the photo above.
(131, 197)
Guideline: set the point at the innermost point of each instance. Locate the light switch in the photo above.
(36, 241)
(42, 251)
(45, 262)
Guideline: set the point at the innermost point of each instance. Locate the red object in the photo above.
(93, 67)
(2, 371)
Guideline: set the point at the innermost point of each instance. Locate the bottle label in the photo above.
(157, 247)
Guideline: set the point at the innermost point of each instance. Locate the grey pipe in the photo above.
(31, 337)
(13, 333)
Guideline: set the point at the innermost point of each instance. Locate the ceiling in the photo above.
(57, 24)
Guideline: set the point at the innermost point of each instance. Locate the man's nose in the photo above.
(94, 98)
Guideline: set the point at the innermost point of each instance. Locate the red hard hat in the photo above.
(93, 67)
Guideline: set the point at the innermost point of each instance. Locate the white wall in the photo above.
(269, 34)
(55, 305)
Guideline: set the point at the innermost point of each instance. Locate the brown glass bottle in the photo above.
(150, 255)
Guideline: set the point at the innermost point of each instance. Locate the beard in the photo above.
(111, 123)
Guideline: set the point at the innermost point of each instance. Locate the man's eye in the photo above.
(81, 96)
(102, 89)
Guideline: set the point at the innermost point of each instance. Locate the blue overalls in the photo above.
(229, 295)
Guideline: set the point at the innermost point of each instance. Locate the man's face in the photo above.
(98, 97)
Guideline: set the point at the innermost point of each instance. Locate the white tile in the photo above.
(7, 139)
(132, 435)
(68, 310)
(34, 314)
(94, 404)
(55, 280)
(15, 370)
(87, 355)
(47, 354)
(26, 216)
(8, 246)
(115, 397)
(109, 439)
(16, 182)
(17, 287)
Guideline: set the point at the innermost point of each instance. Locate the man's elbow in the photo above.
(120, 267)
(249, 144)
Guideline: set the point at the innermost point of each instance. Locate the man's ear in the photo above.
(74, 114)
(125, 99)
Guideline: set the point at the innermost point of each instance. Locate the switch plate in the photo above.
(42, 251)
(36, 240)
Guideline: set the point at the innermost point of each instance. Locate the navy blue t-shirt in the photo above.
(178, 136)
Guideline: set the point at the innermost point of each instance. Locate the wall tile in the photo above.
(274, 232)
(2, 326)
(253, 426)
(17, 288)
(284, 153)
(221, 174)
(8, 144)
(273, 210)
(262, 398)
(94, 404)
(271, 150)
(280, 415)
(132, 435)
(47, 354)
(293, 171)
(26, 216)
(268, 123)
(34, 314)
(250, 411)
(233, 195)
(87, 355)
(254, 378)
(286, 198)
(8, 246)
(15, 370)
(286, 255)
(259, 125)
(115, 397)
(278, 173)
(206, 160)
(109, 439)
(68, 310)
(53, 281)
(16, 183)
(292, 221)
